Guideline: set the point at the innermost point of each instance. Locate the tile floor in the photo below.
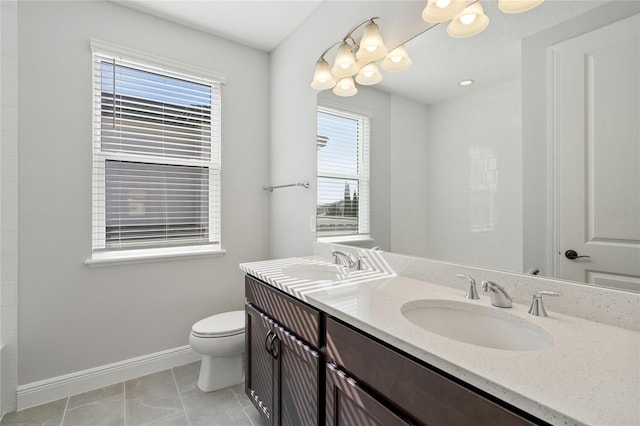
(166, 398)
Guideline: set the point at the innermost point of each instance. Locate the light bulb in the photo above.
(469, 23)
(397, 60)
(371, 45)
(369, 74)
(322, 78)
(468, 18)
(345, 87)
(517, 6)
(345, 63)
(438, 11)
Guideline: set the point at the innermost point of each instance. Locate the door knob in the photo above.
(572, 254)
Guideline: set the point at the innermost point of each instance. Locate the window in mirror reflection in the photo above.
(343, 174)
(483, 186)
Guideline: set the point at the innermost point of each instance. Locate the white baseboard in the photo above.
(37, 393)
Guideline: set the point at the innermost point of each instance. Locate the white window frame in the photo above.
(100, 254)
(363, 118)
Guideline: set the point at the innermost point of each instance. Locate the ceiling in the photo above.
(439, 61)
(262, 24)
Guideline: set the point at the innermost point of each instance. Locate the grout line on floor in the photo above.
(124, 401)
(64, 413)
(175, 382)
(242, 408)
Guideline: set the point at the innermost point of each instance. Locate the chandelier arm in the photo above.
(468, 3)
(415, 36)
(328, 49)
(358, 26)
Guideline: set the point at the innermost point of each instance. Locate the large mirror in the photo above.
(466, 173)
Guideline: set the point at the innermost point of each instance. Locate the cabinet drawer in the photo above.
(348, 404)
(429, 397)
(298, 317)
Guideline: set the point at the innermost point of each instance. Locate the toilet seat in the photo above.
(220, 325)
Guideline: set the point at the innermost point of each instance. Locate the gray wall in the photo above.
(9, 201)
(474, 187)
(409, 202)
(72, 317)
(293, 110)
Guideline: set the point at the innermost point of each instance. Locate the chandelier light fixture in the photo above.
(467, 16)
(397, 60)
(359, 60)
(469, 22)
(442, 10)
(517, 6)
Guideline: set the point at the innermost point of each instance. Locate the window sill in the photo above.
(346, 239)
(123, 257)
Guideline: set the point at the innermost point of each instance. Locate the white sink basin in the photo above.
(478, 325)
(316, 272)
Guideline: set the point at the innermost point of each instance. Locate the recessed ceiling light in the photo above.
(466, 83)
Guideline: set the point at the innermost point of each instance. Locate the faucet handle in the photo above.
(472, 292)
(537, 308)
(359, 262)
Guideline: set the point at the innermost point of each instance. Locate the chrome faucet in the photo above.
(499, 296)
(537, 308)
(472, 292)
(344, 259)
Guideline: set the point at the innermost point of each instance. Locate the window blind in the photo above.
(343, 173)
(156, 157)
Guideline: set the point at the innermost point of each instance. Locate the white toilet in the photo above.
(220, 340)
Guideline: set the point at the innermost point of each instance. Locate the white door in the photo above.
(598, 137)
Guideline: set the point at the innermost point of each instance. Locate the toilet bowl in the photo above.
(220, 341)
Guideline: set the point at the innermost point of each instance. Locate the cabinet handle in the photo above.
(267, 346)
(275, 347)
(271, 347)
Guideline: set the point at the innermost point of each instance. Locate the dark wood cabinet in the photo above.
(260, 363)
(305, 368)
(348, 404)
(297, 385)
(282, 376)
(427, 396)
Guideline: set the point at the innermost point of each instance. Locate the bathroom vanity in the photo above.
(339, 350)
(365, 381)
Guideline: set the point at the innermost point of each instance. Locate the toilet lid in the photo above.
(225, 324)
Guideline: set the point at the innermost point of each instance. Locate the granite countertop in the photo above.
(590, 376)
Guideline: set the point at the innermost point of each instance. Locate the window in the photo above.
(343, 174)
(156, 157)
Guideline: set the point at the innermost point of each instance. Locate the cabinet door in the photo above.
(427, 396)
(348, 404)
(297, 372)
(259, 371)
